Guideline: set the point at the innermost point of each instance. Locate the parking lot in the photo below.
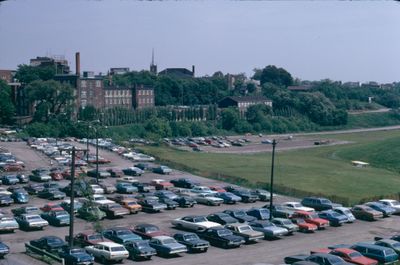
(271, 252)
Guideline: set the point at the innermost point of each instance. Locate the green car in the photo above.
(91, 213)
(56, 218)
(389, 243)
(285, 223)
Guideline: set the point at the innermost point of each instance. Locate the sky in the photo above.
(313, 40)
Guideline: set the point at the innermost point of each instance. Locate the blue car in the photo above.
(125, 188)
(380, 207)
(76, 256)
(20, 196)
(5, 200)
(120, 235)
(4, 250)
(228, 197)
(10, 180)
(334, 218)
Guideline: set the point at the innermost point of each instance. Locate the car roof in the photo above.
(388, 241)
(325, 255)
(238, 224)
(109, 244)
(367, 244)
(345, 250)
(162, 237)
(192, 216)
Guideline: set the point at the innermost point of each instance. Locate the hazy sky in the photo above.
(340, 40)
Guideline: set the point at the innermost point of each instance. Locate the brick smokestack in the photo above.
(78, 64)
(193, 70)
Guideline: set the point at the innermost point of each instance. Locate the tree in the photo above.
(229, 118)
(27, 74)
(277, 76)
(50, 97)
(7, 109)
(256, 113)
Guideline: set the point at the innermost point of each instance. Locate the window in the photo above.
(83, 83)
(98, 83)
(139, 92)
(83, 94)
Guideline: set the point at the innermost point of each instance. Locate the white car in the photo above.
(128, 179)
(108, 251)
(194, 223)
(345, 211)
(143, 158)
(98, 200)
(202, 189)
(96, 189)
(4, 191)
(208, 199)
(392, 203)
(297, 206)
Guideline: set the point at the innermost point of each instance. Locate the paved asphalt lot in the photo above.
(264, 252)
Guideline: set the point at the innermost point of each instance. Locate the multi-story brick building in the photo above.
(90, 91)
(115, 96)
(58, 62)
(144, 97)
(7, 75)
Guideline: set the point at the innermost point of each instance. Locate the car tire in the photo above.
(103, 260)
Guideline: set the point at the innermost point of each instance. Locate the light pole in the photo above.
(97, 154)
(271, 188)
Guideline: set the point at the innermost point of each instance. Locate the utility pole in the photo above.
(271, 188)
(97, 156)
(72, 197)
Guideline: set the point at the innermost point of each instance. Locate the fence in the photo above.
(34, 250)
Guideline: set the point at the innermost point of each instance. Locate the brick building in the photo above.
(90, 91)
(242, 103)
(58, 62)
(115, 96)
(7, 75)
(144, 97)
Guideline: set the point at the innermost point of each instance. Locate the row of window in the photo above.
(110, 93)
(145, 100)
(84, 83)
(145, 92)
(247, 104)
(117, 101)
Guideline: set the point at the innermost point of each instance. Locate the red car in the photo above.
(312, 218)
(321, 250)
(217, 188)
(12, 167)
(115, 173)
(304, 226)
(352, 256)
(56, 175)
(51, 206)
(161, 184)
(87, 239)
(148, 231)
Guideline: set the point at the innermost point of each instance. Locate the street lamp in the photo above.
(271, 187)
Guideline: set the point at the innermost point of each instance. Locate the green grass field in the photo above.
(323, 170)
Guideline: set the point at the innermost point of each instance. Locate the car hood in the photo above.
(82, 256)
(174, 246)
(208, 224)
(127, 238)
(232, 238)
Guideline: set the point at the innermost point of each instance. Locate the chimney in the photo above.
(193, 70)
(78, 63)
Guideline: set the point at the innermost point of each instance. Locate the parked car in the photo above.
(34, 188)
(132, 171)
(151, 205)
(240, 215)
(161, 184)
(218, 189)
(166, 194)
(317, 258)
(91, 213)
(208, 199)
(9, 180)
(171, 204)
(8, 224)
(263, 195)
(391, 203)
(162, 170)
(304, 226)
(66, 204)
(166, 246)
(48, 243)
(51, 206)
(346, 212)
(6, 200)
(31, 221)
(185, 201)
(132, 205)
(51, 194)
(75, 256)
(353, 256)
(246, 231)
(194, 223)
(120, 235)
(222, 218)
(319, 204)
(4, 250)
(95, 189)
(286, 223)
(114, 210)
(334, 218)
(380, 207)
(311, 217)
(389, 243)
(108, 252)
(140, 249)
(244, 194)
(125, 188)
(56, 218)
(222, 237)
(115, 173)
(4, 191)
(269, 229)
(148, 231)
(107, 187)
(143, 166)
(365, 212)
(184, 183)
(144, 187)
(259, 213)
(22, 178)
(202, 190)
(88, 238)
(101, 174)
(29, 209)
(228, 197)
(381, 254)
(296, 206)
(40, 175)
(192, 242)
(280, 211)
(20, 196)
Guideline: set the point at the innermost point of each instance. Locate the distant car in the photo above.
(66, 204)
(114, 210)
(311, 217)
(51, 206)
(34, 188)
(246, 231)
(202, 190)
(96, 189)
(240, 215)
(334, 218)
(161, 184)
(171, 204)
(319, 204)
(6, 200)
(31, 221)
(4, 250)
(108, 188)
(319, 258)
(56, 175)
(120, 235)
(115, 173)
(365, 212)
(140, 249)
(40, 175)
(217, 189)
(162, 170)
(143, 166)
(132, 205)
(91, 213)
(165, 246)
(25, 210)
(101, 174)
(151, 205)
(269, 229)
(84, 239)
(10, 180)
(192, 241)
(49, 243)
(304, 226)
(194, 223)
(56, 218)
(228, 197)
(244, 194)
(185, 201)
(20, 196)
(383, 255)
(148, 231)
(263, 195)
(132, 171)
(380, 207)
(353, 256)
(144, 187)
(222, 218)
(208, 199)
(125, 188)
(184, 183)
(346, 212)
(4, 191)
(51, 194)
(286, 223)
(75, 256)
(259, 213)
(296, 206)
(222, 237)
(8, 224)
(167, 194)
(22, 178)
(108, 251)
(389, 243)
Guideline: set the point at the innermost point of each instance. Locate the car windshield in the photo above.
(313, 215)
(54, 240)
(244, 228)
(61, 213)
(326, 201)
(300, 221)
(395, 203)
(335, 214)
(297, 205)
(355, 255)
(169, 241)
(116, 249)
(240, 213)
(34, 218)
(224, 232)
(131, 203)
(199, 219)
(77, 251)
(142, 244)
(389, 252)
(335, 260)
(396, 245)
(95, 237)
(99, 198)
(124, 232)
(151, 229)
(190, 237)
(286, 222)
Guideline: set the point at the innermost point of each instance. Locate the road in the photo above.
(271, 252)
